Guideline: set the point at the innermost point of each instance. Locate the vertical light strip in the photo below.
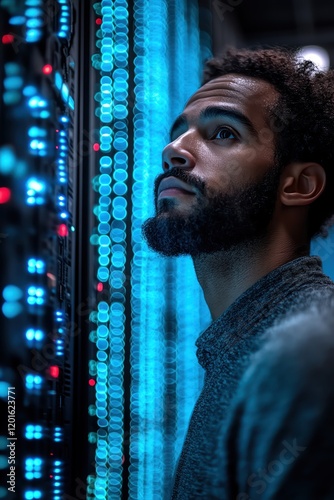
(166, 69)
(111, 243)
(151, 123)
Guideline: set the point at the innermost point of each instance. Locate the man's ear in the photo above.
(302, 183)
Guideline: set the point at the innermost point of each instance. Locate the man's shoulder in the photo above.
(309, 333)
(297, 356)
(283, 411)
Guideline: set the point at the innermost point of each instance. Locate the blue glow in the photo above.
(58, 80)
(37, 102)
(36, 132)
(33, 12)
(11, 309)
(33, 382)
(33, 35)
(36, 266)
(29, 91)
(4, 389)
(36, 185)
(64, 19)
(33, 431)
(33, 494)
(36, 296)
(35, 23)
(11, 97)
(32, 334)
(13, 82)
(17, 20)
(35, 191)
(12, 293)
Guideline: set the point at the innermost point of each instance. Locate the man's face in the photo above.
(220, 183)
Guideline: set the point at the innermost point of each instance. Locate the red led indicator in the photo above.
(62, 230)
(47, 69)
(96, 146)
(5, 195)
(98, 21)
(91, 382)
(54, 371)
(7, 39)
(99, 287)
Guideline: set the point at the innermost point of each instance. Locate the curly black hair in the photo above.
(302, 119)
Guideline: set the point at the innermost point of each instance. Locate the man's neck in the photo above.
(225, 275)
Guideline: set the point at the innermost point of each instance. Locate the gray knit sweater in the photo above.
(263, 425)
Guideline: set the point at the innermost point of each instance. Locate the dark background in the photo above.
(287, 23)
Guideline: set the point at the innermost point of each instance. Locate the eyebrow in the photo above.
(214, 112)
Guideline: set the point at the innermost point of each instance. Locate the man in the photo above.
(248, 180)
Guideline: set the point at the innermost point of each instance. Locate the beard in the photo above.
(218, 221)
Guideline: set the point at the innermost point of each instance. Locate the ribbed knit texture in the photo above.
(209, 463)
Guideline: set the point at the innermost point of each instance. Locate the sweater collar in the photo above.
(254, 305)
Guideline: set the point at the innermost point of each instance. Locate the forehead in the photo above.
(252, 96)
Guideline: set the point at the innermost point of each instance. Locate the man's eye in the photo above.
(224, 133)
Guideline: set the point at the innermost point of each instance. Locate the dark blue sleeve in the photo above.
(280, 434)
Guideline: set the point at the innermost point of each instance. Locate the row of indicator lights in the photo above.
(35, 382)
(92, 381)
(62, 150)
(33, 467)
(35, 19)
(36, 336)
(64, 91)
(57, 478)
(35, 191)
(64, 19)
(36, 195)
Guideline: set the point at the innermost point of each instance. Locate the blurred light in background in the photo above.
(318, 55)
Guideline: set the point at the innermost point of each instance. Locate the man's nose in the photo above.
(174, 155)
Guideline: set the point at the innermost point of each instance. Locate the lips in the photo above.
(172, 185)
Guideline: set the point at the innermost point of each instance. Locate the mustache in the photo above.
(182, 175)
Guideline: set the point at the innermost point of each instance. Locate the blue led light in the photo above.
(11, 309)
(36, 185)
(34, 15)
(33, 382)
(33, 468)
(36, 190)
(59, 316)
(38, 147)
(36, 296)
(13, 82)
(33, 431)
(36, 132)
(36, 266)
(64, 20)
(33, 12)
(12, 293)
(58, 436)
(62, 160)
(64, 92)
(33, 334)
(17, 20)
